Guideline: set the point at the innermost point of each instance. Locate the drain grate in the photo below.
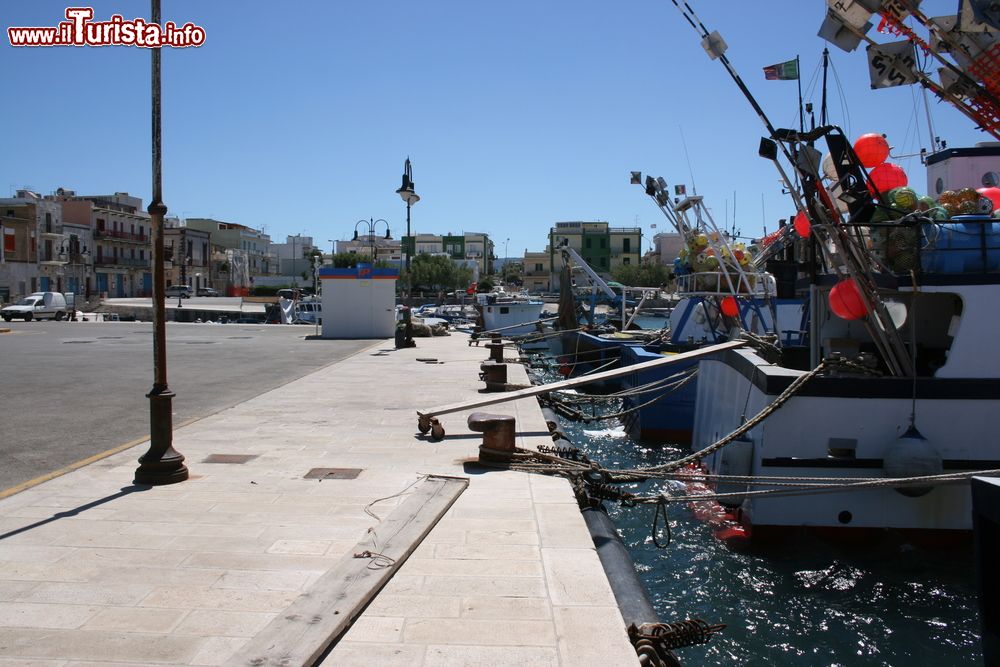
(333, 473)
(200, 342)
(229, 458)
(110, 337)
(76, 342)
(239, 337)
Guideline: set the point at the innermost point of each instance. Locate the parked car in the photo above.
(36, 305)
(207, 291)
(183, 291)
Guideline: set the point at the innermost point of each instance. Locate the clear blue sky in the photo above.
(297, 116)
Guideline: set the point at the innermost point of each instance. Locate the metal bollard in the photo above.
(496, 350)
(498, 435)
(494, 375)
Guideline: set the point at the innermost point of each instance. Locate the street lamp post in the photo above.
(407, 194)
(162, 464)
(371, 223)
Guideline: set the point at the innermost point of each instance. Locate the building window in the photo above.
(602, 243)
(538, 266)
(626, 260)
(604, 262)
(587, 243)
(626, 245)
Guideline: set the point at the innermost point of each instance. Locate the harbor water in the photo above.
(798, 602)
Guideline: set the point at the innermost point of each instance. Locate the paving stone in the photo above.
(219, 598)
(367, 654)
(216, 650)
(87, 593)
(267, 580)
(515, 608)
(390, 604)
(305, 547)
(218, 623)
(562, 526)
(593, 636)
(480, 566)
(368, 628)
(575, 577)
(32, 615)
(491, 656)
(494, 632)
(14, 590)
(473, 586)
(487, 551)
(136, 619)
(237, 561)
(17, 553)
(101, 647)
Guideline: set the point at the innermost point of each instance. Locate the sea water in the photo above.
(799, 602)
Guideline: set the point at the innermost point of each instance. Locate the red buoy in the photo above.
(729, 307)
(802, 224)
(872, 149)
(846, 301)
(887, 176)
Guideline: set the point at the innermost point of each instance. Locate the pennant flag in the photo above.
(679, 190)
(782, 71)
(653, 226)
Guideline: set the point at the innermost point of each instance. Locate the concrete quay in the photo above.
(97, 571)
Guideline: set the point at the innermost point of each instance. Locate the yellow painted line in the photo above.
(24, 486)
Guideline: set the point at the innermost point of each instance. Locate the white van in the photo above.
(37, 305)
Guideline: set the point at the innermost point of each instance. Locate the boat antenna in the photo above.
(687, 156)
(826, 66)
(716, 47)
(798, 80)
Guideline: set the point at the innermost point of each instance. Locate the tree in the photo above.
(644, 275)
(434, 273)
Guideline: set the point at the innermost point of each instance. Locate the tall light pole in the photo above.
(162, 464)
(371, 223)
(407, 194)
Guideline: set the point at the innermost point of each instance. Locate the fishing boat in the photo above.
(881, 425)
(511, 314)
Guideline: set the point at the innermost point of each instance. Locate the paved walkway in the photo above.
(97, 572)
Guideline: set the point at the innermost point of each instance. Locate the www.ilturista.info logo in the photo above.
(80, 30)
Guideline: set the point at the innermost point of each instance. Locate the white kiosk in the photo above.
(359, 302)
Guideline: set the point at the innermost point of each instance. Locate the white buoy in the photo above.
(912, 455)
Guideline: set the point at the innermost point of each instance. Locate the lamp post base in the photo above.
(162, 464)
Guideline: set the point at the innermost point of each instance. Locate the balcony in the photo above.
(122, 261)
(120, 236)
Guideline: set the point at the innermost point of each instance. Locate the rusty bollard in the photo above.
(494, 375)
(498, 435)
(495, 347)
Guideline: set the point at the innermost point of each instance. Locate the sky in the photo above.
(296, 117)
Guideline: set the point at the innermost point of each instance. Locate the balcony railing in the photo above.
(120, 236)
(122, 261)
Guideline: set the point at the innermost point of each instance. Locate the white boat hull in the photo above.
(513, 318)
(809, 435)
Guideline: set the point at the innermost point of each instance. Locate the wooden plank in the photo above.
(493, 399)
(306, 629)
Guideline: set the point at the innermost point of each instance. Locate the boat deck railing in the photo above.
(717, 283)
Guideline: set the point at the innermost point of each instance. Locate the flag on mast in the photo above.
(785, 71)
